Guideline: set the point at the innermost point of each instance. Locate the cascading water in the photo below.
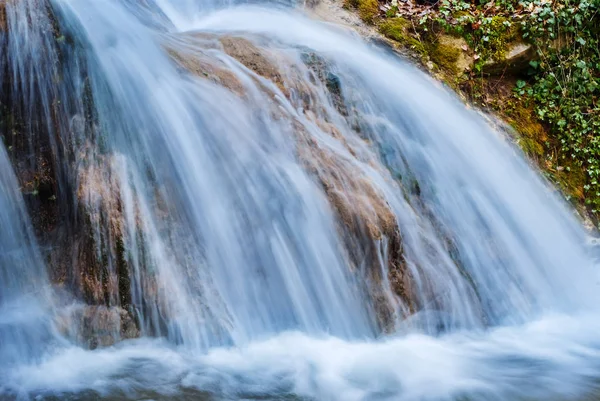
(25, 327)
(265, 197)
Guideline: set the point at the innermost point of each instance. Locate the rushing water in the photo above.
(24, 296)
(237, 272)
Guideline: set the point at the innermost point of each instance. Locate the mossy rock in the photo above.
(501, 47)
(397, 29)
(447, 52)
(368, 10)
(514, 60)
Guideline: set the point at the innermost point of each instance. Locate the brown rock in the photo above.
(213, 70)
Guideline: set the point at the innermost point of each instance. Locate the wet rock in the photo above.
(252, 57)
(96, 326)
(202, 67)
(366, 223)
(324, 74)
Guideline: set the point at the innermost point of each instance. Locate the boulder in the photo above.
(515, 60)
(453, 53)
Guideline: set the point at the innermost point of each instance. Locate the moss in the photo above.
(504, 32)
(445, 56)
(522, 117)
(493, 38)
(567, 175)
(368, 10)
(531, 146)
(397, 29)
(571, 180)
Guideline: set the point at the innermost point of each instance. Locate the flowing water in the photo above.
(216, 154)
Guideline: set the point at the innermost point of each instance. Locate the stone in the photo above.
(462, 61)
(516, 60)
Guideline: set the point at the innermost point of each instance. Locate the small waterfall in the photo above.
(277, 210)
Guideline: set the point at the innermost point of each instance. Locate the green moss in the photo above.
(445, 56)
(523, 119)
(397, 29)
(368, 10)
(569, 176)
(572, 179)
(531, 147)
(502, 33)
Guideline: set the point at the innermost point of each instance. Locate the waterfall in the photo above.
(241, 202)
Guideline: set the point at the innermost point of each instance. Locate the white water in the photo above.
(255, 298)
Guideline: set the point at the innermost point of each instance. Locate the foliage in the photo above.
(565, 81)
(487, 34)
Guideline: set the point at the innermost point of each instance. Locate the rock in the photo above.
(96, 326)
(215, 72)
(516, 60)
(461, 60)
(252, 57)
